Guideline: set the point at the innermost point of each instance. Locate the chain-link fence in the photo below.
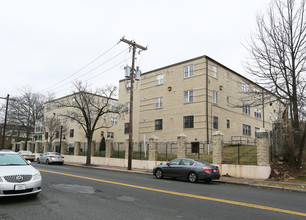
(239, 154)
(199, 150)
(242, 140)
(166, 151)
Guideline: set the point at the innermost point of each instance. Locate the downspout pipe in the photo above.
(207, 123)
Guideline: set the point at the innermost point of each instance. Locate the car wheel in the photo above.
(159, 174)
(38, 161)
(47, 161)
(193, 177)
(208, 180)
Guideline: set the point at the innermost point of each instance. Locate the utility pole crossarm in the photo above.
(133, 43)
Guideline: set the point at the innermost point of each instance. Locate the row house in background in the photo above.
(196, 97)
(69, 128)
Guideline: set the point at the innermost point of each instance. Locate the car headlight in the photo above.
(37, 176)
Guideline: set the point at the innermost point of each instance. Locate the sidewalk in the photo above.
(284, 186)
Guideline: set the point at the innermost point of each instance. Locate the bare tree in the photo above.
(87, 109)
(277, 59)
(25, 110)
(51, 127)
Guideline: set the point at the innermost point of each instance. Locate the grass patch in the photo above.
(118, 154)
(247, 155)
(163, 157)
(207, 158)
(290, 186)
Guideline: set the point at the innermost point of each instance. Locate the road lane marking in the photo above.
(184, 194)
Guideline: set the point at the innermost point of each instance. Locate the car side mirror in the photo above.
(168, 164)
(29, 162)
(40, 154)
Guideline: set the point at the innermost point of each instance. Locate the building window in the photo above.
(159, 124)
(46, 135)
(71, 133)
(245, 87)
(188, 121)
(59, 105)
(57, 134)
(115, 106)
(188, 71)
(159, 79)
(215, 97)
(127, 106)
(256, 130)
(73, 116)
(159, 102)
(228, 123)
(246, 108)
(91, 100)
(246, 130)
(227, 99)
(58, 118)
(114, 121)
(126, 128)
(257, 113)
(215, 72)
(128, 86)
(102, 133)
(227, 76)
(215, 122)
(48, 107)
(73, 101)
(110, 135)
(257, 93)
(188, 96)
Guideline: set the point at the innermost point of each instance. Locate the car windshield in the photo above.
(55, 153)
(202, 161)
(11, 160)
(26, 152)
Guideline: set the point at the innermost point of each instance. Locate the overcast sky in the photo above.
(46, 45)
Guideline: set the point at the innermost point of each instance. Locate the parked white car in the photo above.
(17, 176)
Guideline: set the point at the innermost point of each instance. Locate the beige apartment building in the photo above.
(71, 130)
(196, 97)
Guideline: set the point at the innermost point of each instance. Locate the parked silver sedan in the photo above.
(51, 157)
(17, 176)
(185, 168)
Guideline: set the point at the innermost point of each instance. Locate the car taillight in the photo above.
(206, 169)
(52, 156)
(25, 155)
(218, 170)
(62, 157)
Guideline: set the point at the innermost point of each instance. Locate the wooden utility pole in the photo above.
(134, 47)
(5, 119)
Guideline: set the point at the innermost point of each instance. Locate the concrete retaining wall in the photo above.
(246, 171)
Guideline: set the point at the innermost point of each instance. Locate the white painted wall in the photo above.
(243, 171)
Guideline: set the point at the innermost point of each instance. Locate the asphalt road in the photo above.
(85, 193)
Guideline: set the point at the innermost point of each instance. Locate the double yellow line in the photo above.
(185, 194)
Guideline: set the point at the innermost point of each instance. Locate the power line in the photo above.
(71, 87)
(81, 68)
(91, 69)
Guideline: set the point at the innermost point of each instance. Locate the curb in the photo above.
(263, 186)
(219, 181)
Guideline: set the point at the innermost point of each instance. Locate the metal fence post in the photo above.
(238, 154)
